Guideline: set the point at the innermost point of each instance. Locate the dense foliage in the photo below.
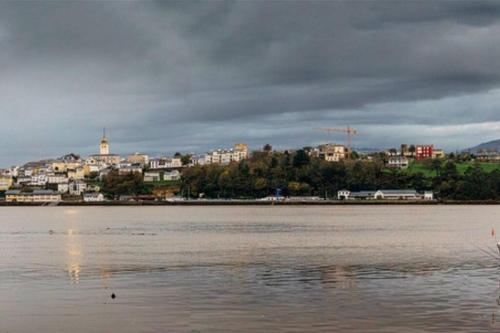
(293, 174)
(298, 174)
(115, 184)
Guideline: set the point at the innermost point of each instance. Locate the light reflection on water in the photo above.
(248, 269)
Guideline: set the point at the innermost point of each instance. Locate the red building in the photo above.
(423, 152)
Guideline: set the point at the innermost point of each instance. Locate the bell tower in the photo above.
(104, 146)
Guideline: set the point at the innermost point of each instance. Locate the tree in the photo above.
(267, 148)
(300, 159)
(186, 159)
(436, 166)
(115, 184)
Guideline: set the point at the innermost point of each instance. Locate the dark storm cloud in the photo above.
(187, 75)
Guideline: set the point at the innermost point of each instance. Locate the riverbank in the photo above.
(253, 203)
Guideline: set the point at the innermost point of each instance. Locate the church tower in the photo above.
(104, 146)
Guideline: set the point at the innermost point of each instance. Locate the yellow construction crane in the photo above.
(350, 132)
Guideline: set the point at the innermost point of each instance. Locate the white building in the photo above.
(77, 187)
(398, 162)
(165, 163)
(152, 176)
(35, 196)
(397, 194)
(93, 197)
(23, 180)
(63, 188)
(410, 194)
(226, 156)
(57, 179)
(428, 195)
(172, 175)
(128, 169)
(39, 180)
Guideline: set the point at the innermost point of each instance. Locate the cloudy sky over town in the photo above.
(189, 76)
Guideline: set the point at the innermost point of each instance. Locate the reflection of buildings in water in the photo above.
(340, 276)
(74, 254)
(105, 274)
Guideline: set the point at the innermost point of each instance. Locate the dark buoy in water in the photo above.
(113, 296)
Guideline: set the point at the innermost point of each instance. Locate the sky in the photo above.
(190, 76)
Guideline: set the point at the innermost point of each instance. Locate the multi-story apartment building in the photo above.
(57, 179)
(76, 174)
(226, 156)
(125, 169)
(333, 152)
(165, 163)
(77, 187)
(423, 152)
(138, 158)
(39, 180)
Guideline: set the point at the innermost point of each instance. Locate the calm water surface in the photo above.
(249, 269)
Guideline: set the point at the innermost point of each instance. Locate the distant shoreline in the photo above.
(253, 203)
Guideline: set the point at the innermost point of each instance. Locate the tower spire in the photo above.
(104, 132)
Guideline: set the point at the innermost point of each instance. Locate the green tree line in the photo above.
(294, 174)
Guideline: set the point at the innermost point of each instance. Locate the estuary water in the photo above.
(249, 269)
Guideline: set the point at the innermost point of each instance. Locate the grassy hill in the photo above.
(422, 166)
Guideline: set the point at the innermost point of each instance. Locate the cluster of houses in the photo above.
(400, 159)
(74, 178)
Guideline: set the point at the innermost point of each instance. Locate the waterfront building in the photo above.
(396, 194)
(355, 195)
(409, 194)
(93, 197)
(35, 196)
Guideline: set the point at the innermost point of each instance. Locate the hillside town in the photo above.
(72, 178)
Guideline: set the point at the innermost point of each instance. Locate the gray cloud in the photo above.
(177, 75)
